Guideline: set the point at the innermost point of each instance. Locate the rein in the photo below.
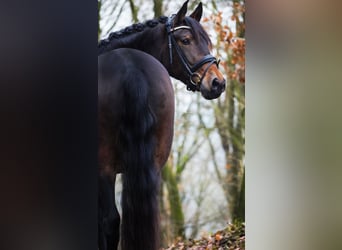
(194, 77)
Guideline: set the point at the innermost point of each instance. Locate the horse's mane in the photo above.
(132, 29)
(105, 45)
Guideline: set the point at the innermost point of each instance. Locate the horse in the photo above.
(136, 116)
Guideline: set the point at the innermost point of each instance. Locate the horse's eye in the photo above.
(185, 41)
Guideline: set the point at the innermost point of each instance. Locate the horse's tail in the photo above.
(140, 222)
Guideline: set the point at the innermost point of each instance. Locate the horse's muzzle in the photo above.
(216, 89)
(218, 86)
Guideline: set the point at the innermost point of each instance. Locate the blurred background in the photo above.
(203, 180)
(293, 124)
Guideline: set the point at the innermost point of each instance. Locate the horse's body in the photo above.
(136, 108)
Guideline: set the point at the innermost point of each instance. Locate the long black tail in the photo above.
(140, 179)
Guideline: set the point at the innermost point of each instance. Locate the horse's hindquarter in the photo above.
(112, 67)
(162, 103)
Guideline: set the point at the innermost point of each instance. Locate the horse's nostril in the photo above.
(215, 82)
(219, 85)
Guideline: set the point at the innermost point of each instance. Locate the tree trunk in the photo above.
(239, 211)
(157, 7)
(176, 211)
(134, 11)
(98, 20)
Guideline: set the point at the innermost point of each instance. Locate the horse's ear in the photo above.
(197, 14)
(179, 18)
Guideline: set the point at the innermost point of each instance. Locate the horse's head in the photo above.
(189, 54)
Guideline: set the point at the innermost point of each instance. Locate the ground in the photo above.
(230, 238)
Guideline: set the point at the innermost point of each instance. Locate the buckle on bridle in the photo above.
(195, 78)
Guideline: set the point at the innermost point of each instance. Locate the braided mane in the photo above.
(135, 28)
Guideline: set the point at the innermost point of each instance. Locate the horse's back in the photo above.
(115, 67)
(119, 61)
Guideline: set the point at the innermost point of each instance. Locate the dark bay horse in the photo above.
(136, 109)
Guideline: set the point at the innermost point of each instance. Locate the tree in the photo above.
(157, 7)
(229, 113)
(184, 148)
(134, 10)
(109, 13)
(99, 18)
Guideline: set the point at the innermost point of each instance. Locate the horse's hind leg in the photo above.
(109, 217)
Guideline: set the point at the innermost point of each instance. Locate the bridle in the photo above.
(194, 77)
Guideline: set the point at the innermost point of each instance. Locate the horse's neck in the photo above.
(144, 41)
(152, 40)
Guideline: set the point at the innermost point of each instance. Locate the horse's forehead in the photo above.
(194, 32)
(183, 31)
